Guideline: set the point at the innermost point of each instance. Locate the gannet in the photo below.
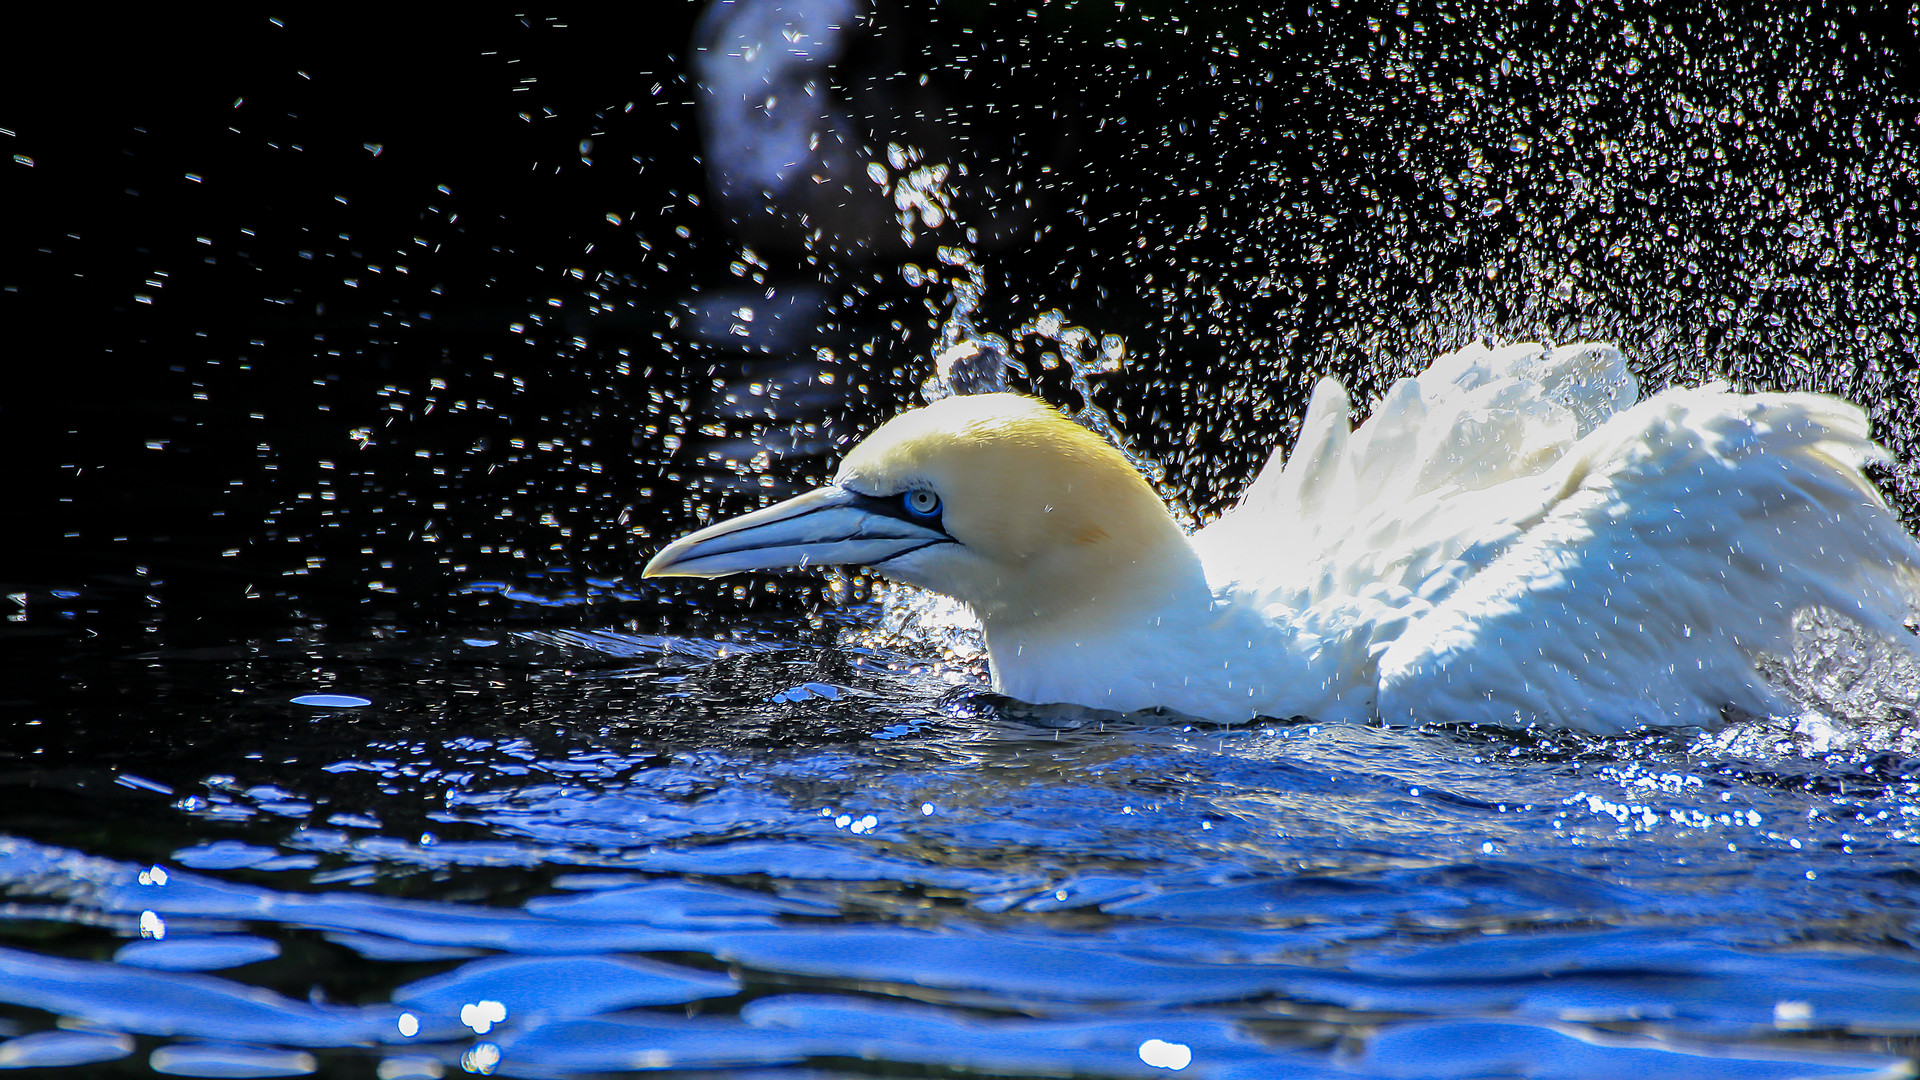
(1508, 540)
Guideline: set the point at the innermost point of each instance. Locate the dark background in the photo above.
(374, 316)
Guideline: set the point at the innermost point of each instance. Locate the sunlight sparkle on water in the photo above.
(331, 701)
(482, 1015)
(1166, 1055)
(482, 1059)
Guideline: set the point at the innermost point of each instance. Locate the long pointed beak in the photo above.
(828, 526)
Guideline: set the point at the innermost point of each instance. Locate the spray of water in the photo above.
(971, 359)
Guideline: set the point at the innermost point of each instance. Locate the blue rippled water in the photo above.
(671, 853)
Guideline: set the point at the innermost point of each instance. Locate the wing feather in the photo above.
(1672, 546)
(1423, 479)
(1510, 539)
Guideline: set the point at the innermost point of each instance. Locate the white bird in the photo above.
(1508, 540)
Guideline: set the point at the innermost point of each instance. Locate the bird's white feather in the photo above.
(1507, 540)
(1388, 503)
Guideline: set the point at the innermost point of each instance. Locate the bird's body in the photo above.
(1508, 540)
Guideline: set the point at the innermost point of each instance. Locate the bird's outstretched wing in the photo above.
(1509, 537)
(1427, 476)
(1669, 547)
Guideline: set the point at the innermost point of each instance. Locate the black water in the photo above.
(341, 738)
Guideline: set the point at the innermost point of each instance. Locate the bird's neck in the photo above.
(1104, 639)
(1147, 566)
(1160, 634)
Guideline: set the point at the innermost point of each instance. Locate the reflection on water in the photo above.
(638, 852)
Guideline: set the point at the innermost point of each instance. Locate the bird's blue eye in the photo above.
(921, 503)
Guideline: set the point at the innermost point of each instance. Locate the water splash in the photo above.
(920, 194)
(969, 359)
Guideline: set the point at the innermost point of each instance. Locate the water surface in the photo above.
(541, 853)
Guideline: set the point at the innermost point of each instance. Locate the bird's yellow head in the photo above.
(994, 499)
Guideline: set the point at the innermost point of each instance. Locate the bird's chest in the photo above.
(1221, 663)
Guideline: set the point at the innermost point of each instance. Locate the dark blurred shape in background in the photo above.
(810, 109)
